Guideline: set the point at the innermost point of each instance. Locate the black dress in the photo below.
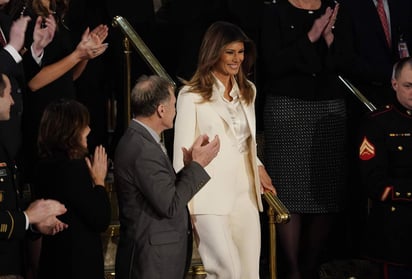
(35, 102)
(304, 114)
(76, 252)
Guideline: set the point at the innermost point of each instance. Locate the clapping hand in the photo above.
(101, 32)
(203, 151)
(98, 165)
(328, 31)
(51, 226)
(43, 36)
(92, 44)
(17, 31)
(187, 153)
(42, 213)
(323, 26)
(95, 45)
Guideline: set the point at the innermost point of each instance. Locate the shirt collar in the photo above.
(150, 130)
(401, 108)
(234, 93)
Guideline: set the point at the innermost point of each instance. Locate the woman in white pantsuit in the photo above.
(219, 100)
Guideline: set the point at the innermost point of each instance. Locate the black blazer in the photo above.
(295, 67)
(155, 227)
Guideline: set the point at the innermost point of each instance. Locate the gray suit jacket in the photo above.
(155, 230)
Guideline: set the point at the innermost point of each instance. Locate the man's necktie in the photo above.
(2, 39)
(384, 21)
(162, 145)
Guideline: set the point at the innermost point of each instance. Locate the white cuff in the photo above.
(39, 58)
(14, 53)
(27, 220)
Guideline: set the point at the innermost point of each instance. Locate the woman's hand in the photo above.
(265, 181)
(328, 32)
(101, 32)
(319, 25)
(92, 44)
(98, 168)
(43, 36)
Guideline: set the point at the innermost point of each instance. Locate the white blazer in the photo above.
(194, 118)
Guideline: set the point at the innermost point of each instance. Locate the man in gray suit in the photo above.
(155, 230)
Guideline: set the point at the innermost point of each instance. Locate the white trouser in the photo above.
(229, 245)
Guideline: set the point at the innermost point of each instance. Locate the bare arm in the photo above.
(89, 47)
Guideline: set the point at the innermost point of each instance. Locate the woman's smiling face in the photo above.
(230, 60)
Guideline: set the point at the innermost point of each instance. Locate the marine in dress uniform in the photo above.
(385, 152)
(12, 220)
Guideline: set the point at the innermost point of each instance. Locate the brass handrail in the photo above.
(282, 214)
(131, 37)
(127, 81)
(357, 94)
(277, 214)
(141, 47)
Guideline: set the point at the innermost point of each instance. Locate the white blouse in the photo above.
(237, 115)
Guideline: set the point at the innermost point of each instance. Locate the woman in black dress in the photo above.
(52, 76)
(305, 45)
(66, 174)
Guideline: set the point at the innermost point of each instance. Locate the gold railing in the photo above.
(281, 213)
(141, 47)
(357, 94)
(277, 212)
(132, 38)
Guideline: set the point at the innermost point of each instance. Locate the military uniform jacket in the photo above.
(386, 165)
(12, 221)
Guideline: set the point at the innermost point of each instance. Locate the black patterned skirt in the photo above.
(305, 152)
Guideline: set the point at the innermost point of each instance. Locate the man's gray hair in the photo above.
(148, 93)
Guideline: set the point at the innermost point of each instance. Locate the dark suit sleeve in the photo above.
(7, 63)
(166, 192)
(90, 203)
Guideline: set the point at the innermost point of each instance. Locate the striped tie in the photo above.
(2, 39)
(384, 21)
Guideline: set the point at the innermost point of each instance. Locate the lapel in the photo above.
(221, 109)
(250, 117)
(143, 132)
